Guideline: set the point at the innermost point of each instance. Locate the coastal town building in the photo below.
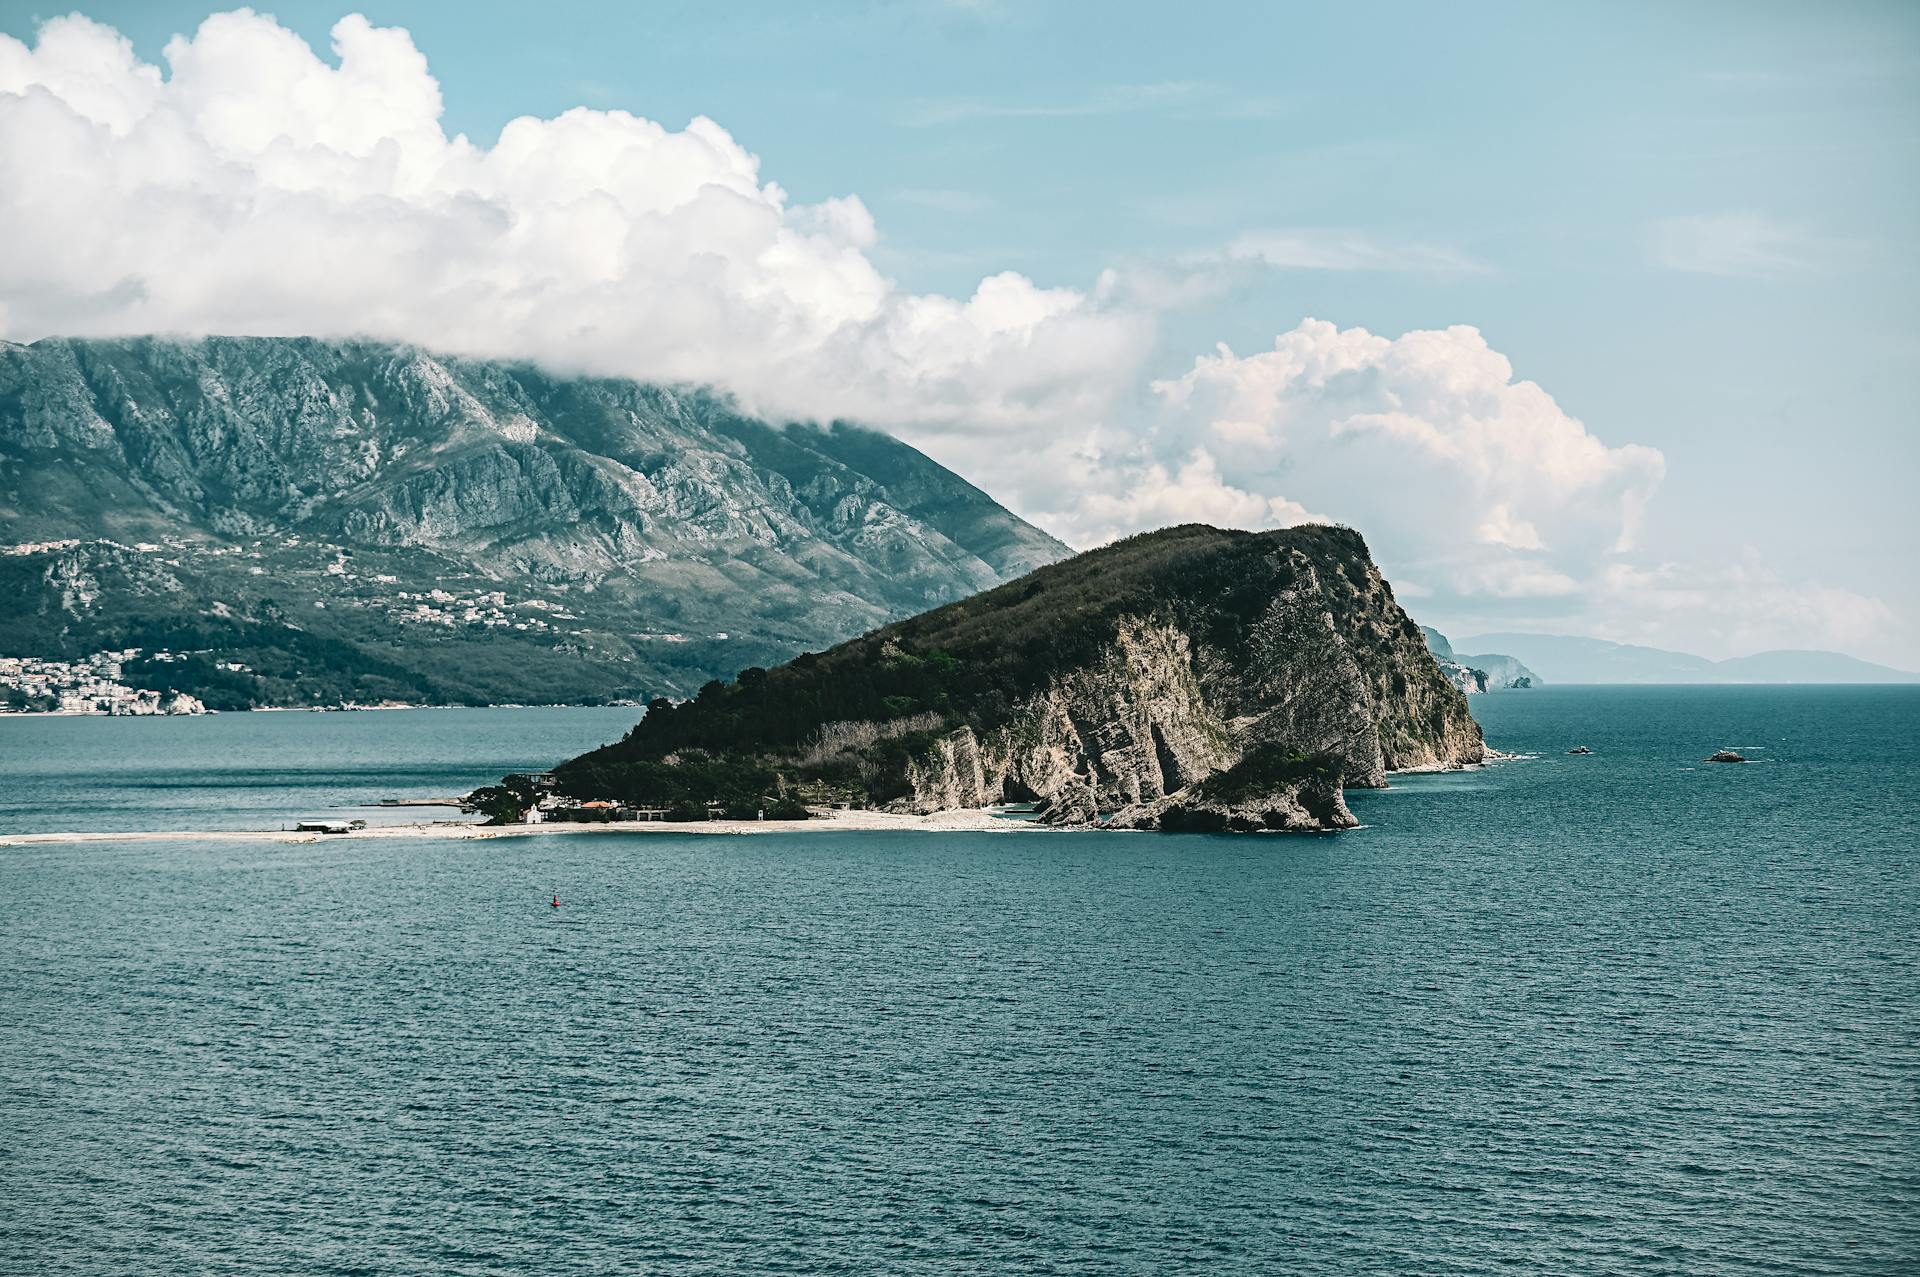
(90, 685)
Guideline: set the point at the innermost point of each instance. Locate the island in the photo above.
(1185, 679)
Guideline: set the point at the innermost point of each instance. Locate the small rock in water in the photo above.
(1579, 749)
(1726, 756)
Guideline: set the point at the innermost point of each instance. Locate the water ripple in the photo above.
(1611, 1017)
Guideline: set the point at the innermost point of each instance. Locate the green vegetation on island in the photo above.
(1191, 662)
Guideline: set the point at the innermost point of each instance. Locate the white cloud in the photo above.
(258, 188)
(1153, 495)
(1736, 245)
(1500, 527)
(1472, 487)
(1476, 483)
(1732, 608)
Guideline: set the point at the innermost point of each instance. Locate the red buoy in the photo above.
(556, 902)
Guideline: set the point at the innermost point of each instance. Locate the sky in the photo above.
(1593, 319)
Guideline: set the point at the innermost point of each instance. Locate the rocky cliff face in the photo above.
(1476, 674)
(1502, 673)
(653, 515)
(1152, 716)
(1133, 726)
(1192, 678)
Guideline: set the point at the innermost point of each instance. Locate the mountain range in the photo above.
(1565, 659)
(288, 521)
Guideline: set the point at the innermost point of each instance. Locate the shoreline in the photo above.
(957, 820)
(964, 820)
(307, 709)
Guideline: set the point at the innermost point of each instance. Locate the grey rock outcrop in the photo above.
(1476, 674)
(1471, 682)
(1296, 807)
(1502, 673)
(1153, 715)
(1191, 679)
(1132, 727)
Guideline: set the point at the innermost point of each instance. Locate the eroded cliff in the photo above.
(1190, 678)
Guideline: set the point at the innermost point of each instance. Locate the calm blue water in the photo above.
(1620, 1013)
(253, 771)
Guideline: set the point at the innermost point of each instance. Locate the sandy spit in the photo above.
(970, 820)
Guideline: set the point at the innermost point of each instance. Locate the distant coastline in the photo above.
(317, 709)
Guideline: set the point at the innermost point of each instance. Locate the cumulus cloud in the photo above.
(257, 187)
(1428, 443)
(1152, 494)
(253, 186)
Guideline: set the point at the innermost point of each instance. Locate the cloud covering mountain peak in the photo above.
(254, 186)
(258, 188)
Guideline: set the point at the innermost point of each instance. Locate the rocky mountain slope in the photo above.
(1190, 678)
(358, 521)
(1474, 674)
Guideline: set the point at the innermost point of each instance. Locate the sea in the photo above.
(1620, 1012)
